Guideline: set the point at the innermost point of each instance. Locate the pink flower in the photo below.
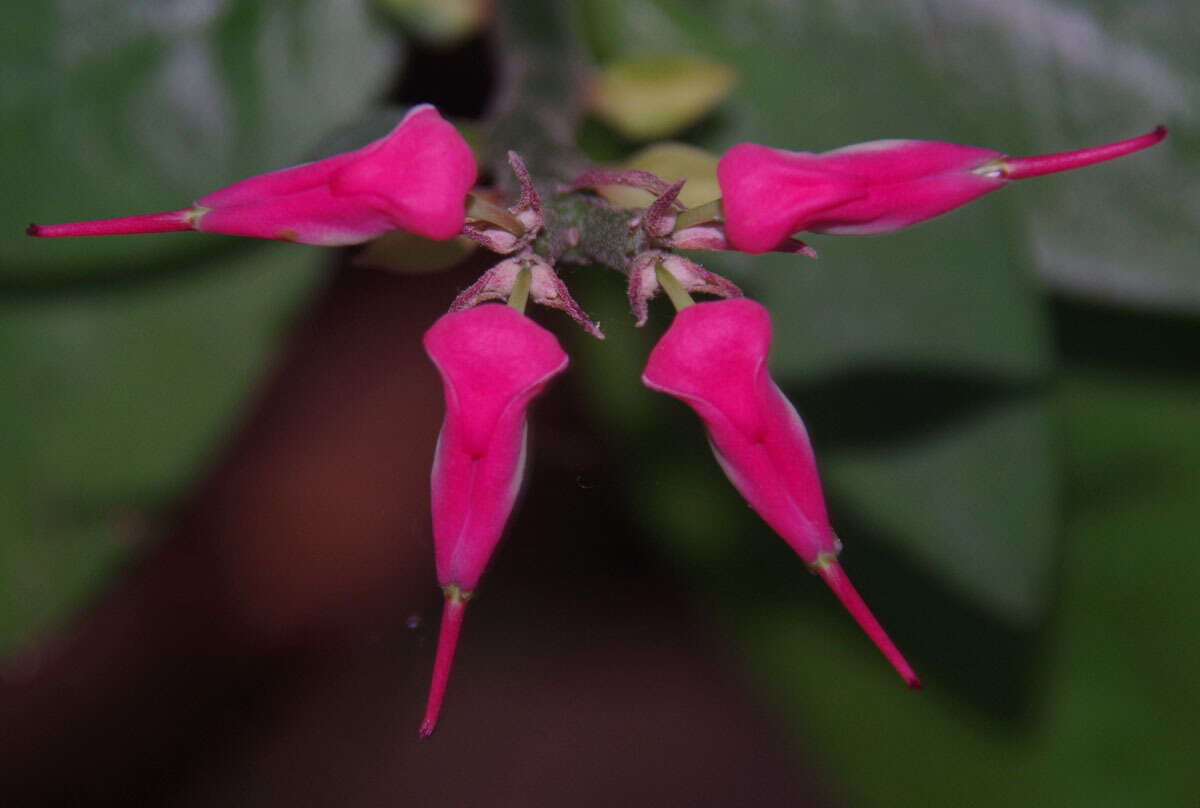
(768, 194)
(414, 179)
(493, 361)
(714, 359)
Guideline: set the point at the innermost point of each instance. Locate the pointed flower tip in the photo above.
(1019, 168)
(168, 222)
(452, 617)
(831, 571)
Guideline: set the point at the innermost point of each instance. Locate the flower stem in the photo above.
(708, 212)
(481, 209)
(544, 72)
(679, 296)
(520, 290)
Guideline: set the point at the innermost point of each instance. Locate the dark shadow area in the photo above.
(993, 666)
(203, 255)
(1103, 336)
(872, 407)
(955, 645)
(456, 79)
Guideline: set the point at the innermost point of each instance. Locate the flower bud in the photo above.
(414, 179)
(876, 187)
(493, 362)
(714, 359)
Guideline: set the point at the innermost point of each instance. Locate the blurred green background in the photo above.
(1005, 401)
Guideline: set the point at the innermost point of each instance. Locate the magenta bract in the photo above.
(714, 359)
(493, 361)
(768, 194)
(415, 179)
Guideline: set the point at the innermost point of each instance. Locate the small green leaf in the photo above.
(443, 22)
(651, 97)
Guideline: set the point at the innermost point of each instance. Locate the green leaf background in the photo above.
(126, 360)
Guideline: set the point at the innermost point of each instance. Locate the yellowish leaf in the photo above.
(671, 161)
(651, 97)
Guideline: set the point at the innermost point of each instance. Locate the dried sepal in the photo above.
(659, 219)
(545, 288)
(527, 213)
(644, 285)
(628, 178)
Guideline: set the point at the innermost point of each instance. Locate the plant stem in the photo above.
(679, 296)
(539, 104)
(708, 212)
(520, 290)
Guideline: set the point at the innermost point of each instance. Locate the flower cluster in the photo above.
(494, 360)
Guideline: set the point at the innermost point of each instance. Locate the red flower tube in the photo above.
(414, 179)
(768, 194)
(714, 359)
(493, 361)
